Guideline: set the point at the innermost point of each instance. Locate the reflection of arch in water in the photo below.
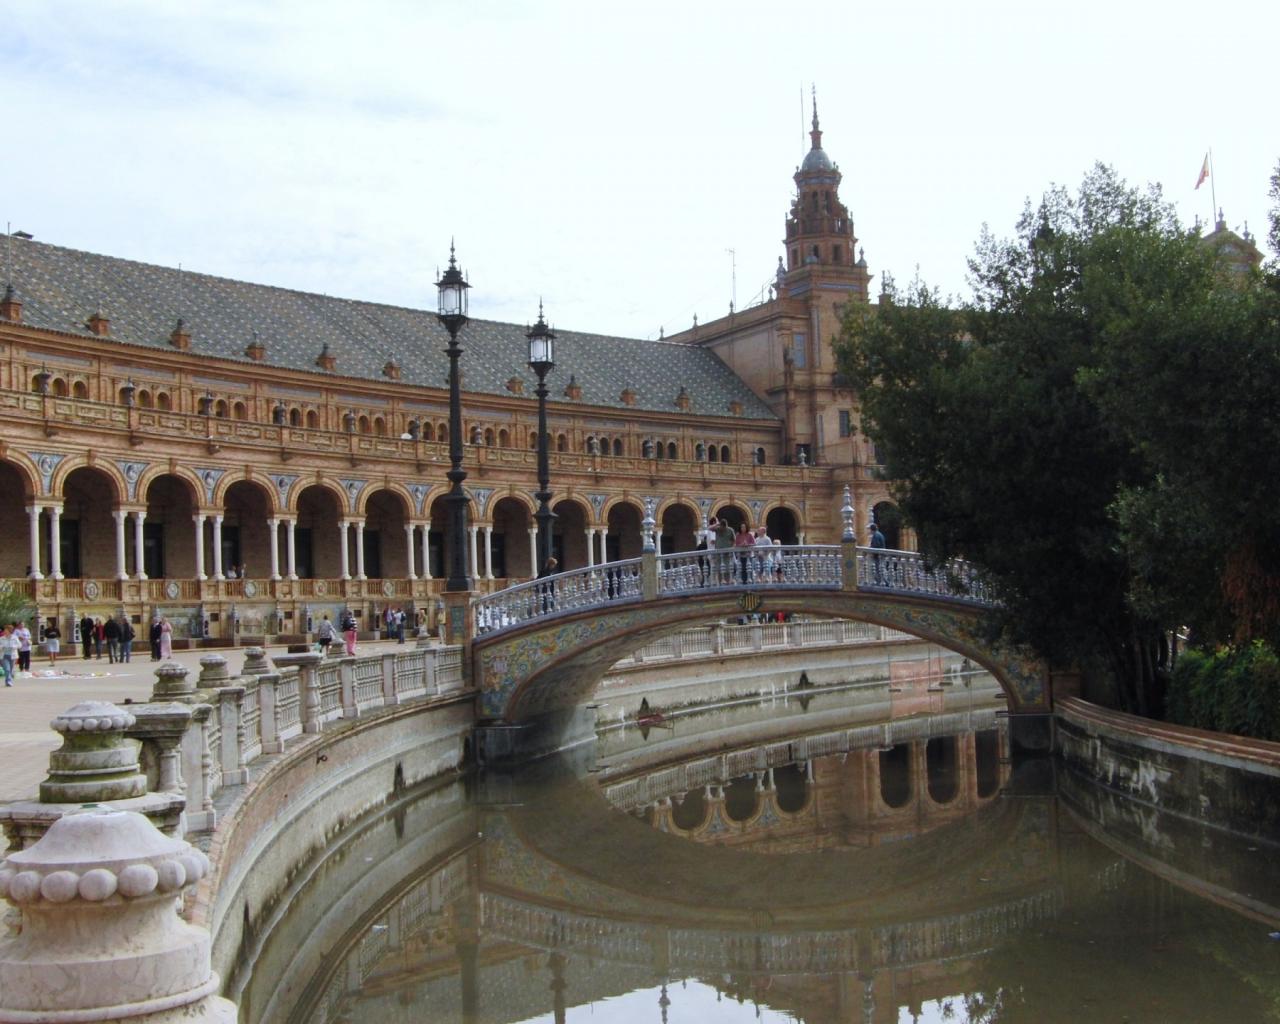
(943, 769)
(791, 788)
(895, 776)
(987, 762)
(742, 799)
(689, 813)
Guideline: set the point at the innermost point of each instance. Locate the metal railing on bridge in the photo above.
(778, 567)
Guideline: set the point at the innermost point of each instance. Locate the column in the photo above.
(475, 562)
(33, 556)
(488, 552)
(408, 550)
(342, 547)
(199, 521)
(360, 550)
(657, 539)
(217, 548)
(273, 528)
(55, 542)
(426, 551)
(139, 570)
(291, 546)
(533, 552)
(591, 546)
(604, 549)
(118, 515)
(800, 537)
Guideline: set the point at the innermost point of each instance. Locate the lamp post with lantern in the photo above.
(541, 361)
(452, 291)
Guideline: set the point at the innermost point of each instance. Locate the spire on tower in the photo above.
(815, 133)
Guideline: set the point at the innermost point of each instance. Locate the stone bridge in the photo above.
(540, 649)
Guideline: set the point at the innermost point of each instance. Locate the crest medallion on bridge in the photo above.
(749, 601)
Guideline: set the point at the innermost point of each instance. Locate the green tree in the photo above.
(15, 606)
(991, 423)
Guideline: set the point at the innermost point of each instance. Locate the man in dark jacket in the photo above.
(86, 637)
(154, 636)
(111, 634)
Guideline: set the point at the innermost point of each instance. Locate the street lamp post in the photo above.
(452, 289)
(541, 361)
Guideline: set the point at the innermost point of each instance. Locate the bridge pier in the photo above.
(1031, 733)
(506, 744)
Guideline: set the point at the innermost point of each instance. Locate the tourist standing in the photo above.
(86, 637)
(154, 637)
(97, 638)
(878, 543)
(400, 617)
(126, 639)
(324, 635)
(8, 653)
(743, 541)
(723, 534)
(111, 633)
(24, 647)
(349, 632)
(52, 641)
(166, 639)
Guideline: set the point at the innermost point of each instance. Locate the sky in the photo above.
(624, 163)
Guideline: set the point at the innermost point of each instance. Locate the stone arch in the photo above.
(392, 487)
(732, 512)
(17, 493)
(942, 769)
(386, 511)
(247, 505)
(888, 517)
(624, 518)
(690, 811)
(986, 757)
(169, 546)
(681, 521)
(512, 517)
(741, 799)
(569, 532)
(73, 463)
(792, 792)
(89, 493)
(231, 478)
(895, 770)
(195, 488)
(783, 522)
(621, 499)
(319, 507)
(26, 470)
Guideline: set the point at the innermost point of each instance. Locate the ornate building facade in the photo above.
(245, 459)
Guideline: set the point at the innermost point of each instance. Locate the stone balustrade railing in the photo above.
(721, 639)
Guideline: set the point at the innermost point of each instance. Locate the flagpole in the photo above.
(1213, 191)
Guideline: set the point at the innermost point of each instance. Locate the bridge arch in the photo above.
(549, 667)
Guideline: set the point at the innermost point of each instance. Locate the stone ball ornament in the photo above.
(101, 935)
(93, 716)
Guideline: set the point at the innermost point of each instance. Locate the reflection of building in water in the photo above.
(856, 787)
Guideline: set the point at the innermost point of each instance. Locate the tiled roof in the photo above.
(62, 288)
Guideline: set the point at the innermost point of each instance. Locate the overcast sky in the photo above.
(603, 156)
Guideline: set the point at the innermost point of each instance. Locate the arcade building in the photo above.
(245, 459)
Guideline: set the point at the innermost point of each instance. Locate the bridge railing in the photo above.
(794, 565)
(564, 592)
(891, 571)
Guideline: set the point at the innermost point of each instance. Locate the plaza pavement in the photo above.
(30, 704)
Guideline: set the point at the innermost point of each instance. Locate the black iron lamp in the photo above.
(541, 362)
(452, 291)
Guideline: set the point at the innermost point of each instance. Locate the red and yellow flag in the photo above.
(1204, 171)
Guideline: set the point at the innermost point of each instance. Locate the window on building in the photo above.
(846, 423)
(672, 451)
(835, 254)
(798, 351)
(617, 447)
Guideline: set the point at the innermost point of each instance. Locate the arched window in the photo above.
(295, 417)
(713, 453)
(659, 450)
(380, 426)
(488, 437)
(504, 439)
(617, 446)
(760, 457)
(700, 452)
(144, 399)
(239, 411)
(562, 443)
(220, 408)
(59, 387)
(673, 452)
(533, 440)
(80, 389)
(442, 434)
(362, 424)
(163, 402)
(724, 453)
(428, 432)
(313, 420)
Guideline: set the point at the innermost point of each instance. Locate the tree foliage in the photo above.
(1081, 429)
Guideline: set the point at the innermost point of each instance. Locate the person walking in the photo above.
(400, 617)
(166, 639)
(324, 634)
(111, 634)
(86, 637)
(8, 653)
(878, 543)
(547, 591)
(349, 632)
(126, 639)
(52, 642)
(97, 639)
(154, 637)
(24, 647)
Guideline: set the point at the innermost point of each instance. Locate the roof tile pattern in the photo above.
(60, 288)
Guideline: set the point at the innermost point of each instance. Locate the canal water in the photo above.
(824, 870)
